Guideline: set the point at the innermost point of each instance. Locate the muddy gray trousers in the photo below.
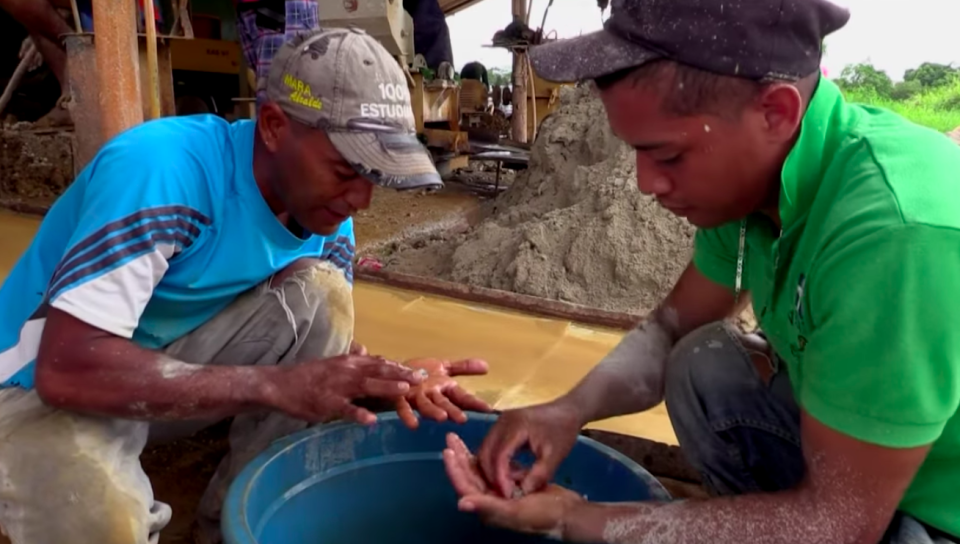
(741, 430)
(70, 478)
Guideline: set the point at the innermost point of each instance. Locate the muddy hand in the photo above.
(549, 430)
(356, 348)
(541, 512)
(325, 389)
(440, 397)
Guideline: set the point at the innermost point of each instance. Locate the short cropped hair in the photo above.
(687, 90)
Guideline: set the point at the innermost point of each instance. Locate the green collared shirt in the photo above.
(860, 293)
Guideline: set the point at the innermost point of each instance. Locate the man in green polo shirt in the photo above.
(841, 223)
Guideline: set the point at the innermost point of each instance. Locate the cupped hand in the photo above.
(541, 512)
(440, 396)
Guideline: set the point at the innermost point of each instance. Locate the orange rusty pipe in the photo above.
(153, 71)
(118, 71)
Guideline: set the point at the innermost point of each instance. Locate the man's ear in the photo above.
(273, 125)
(783, 107)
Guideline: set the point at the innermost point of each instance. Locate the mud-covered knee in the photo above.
(298, 268)
(707, 363)
(315, 280)
(316, 292)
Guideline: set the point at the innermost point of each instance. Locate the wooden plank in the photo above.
(417, 98)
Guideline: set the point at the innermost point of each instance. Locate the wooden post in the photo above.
(118, 73)
(153, 76)
(85, 102)
(518, 119)
(167, 101)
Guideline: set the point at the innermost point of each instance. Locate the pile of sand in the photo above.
(572, 227)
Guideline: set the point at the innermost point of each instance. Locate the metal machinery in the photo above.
(445, 110)
(195, 62)
(385, 20)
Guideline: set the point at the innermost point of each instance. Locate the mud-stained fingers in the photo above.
(388, 370)
(493, 444)
(466, 457)
(503, 461)
(539, 475)
(467, 401)
(468, 367)
(440, 400)
(356, 348)
(458, 474)
(427, 408)
(547, 461)
(406, 414)
(352, 412)
(389, 389)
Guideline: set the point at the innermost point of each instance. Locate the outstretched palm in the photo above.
(440, 396)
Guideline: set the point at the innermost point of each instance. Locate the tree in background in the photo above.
(865, 76)
(932, 75)
(906, 90)
(928, 95)
(500, 76)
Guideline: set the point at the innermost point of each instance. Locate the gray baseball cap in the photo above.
(753, 39)
(345, 83)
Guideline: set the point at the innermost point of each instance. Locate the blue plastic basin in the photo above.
(346, 484)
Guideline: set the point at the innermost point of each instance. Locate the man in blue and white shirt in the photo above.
(179, 279)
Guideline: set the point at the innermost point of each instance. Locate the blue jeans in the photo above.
(741, 431)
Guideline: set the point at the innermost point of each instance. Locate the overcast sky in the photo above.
(892, 34)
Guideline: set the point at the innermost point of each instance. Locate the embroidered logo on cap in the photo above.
(300, 93)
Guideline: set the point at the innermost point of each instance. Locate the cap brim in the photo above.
(404, 166)
(587, 57)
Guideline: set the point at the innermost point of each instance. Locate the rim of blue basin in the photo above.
(236, 529)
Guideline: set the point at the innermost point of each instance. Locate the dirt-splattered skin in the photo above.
(629, 380)
(88, 370)
(849, 495)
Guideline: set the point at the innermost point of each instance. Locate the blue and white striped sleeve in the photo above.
(135, 218)
(340, 249)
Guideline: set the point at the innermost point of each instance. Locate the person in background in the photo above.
(46, 26)
(264, 25)
(477, 71)
(431, 35)
(839, 222)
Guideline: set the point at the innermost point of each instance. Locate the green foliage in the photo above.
(906, 90)
(499, 76)
(934, 107)
(931, 74)
(928, 95)
(865, 77)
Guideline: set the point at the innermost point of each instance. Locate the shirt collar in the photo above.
(824, 126)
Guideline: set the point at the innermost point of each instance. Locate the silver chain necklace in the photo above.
(740, 252)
